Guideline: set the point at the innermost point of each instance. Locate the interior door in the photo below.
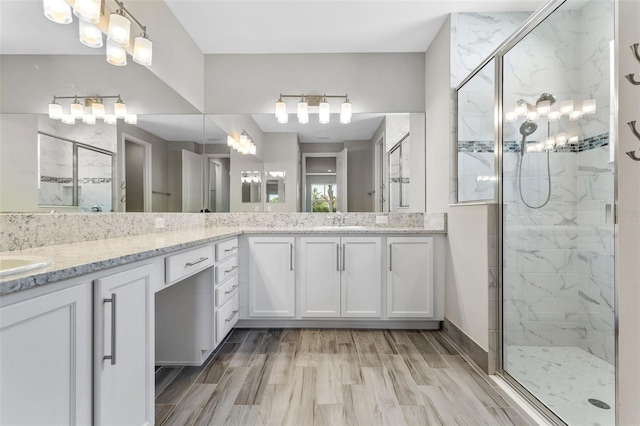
(341, 177)
(192, 185)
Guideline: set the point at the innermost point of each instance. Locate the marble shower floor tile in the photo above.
(564, 378)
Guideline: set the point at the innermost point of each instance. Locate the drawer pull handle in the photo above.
(112, 357)
(233, 314)
(230, 249)
(226, 271)
(231, 289)
(202, 259)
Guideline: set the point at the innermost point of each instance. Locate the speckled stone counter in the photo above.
(76, 259)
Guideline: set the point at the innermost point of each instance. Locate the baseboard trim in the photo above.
(470, 348)
(339, 323)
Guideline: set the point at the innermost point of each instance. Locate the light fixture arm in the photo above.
(86, 97)
(124, 9)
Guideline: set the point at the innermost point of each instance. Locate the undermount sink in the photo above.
(338, 228)
(10, 265)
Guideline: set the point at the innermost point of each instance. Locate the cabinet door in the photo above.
(124, 356)
(410, 277)
(320, 277)
(361, 277)
(271, 277)
(45, 359)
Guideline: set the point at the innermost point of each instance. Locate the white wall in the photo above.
(628, 232)
(282, 156)
(375, 82)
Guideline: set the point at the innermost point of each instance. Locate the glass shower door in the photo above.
(557, 224)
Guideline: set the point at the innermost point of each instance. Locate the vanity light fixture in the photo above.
(118, 27)
(320, 101)
(243, 143)
(95, 110)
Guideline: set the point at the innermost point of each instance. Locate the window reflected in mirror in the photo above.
(251, 183)
(274, 187)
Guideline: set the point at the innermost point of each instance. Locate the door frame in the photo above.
(120, 203)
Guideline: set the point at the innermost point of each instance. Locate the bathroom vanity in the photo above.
(80, 339)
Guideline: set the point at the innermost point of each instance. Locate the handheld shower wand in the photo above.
(527, 129)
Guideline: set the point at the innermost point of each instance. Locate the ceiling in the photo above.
(324, 26)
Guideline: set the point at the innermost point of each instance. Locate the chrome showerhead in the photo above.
(526, 129)
(546, 97)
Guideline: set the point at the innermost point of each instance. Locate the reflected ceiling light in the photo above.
(96, 109)
(90, 35)
(324, 113)
(575, 115)
(118, 33)
(57, 11)
(244, 143)
(566, 107)
(543, 107)
(588, 107)
(320, 101)
(68, 119)
(554, 115)
(533, 115)
(345, 112)
(303, 111)
(510, 117)
(87, 10)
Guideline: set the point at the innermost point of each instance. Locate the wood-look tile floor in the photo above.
(307, 377)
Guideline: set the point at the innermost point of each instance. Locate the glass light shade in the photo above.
(116, 55)
(57, 11)
(110, 119)
(55, 111)
(521, 109)
(539, 147)
(566, 107)
(554, 115)
(574, 140)
(533, 115)
(77, 109)
(283, 118)
(142, 51)
(120, 109)
(325, 112)
(531, 148)
(510, 117)
(543, 107)
(252, 149)
(87, 10)
(89, 119)
(281, 108)
(68, 119)
(561, 138)
(589, 107)
(303, 112)
(90, 35)
(230, 141)
(345, 112)
(119, 30)
(575, 115)
(97, 109)
(131, 119)
(550, 142)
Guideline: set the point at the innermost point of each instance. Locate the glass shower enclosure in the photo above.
(555, 170)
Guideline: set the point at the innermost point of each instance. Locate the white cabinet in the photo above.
(123, 351)
(410, 277)
(45, 359)
(340, 277)
(271, 277)
(225, 313)
(319, 277)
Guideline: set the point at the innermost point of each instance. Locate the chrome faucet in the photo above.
(338, 220)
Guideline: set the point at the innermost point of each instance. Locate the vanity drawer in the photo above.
(226, 269)
(226, 249)
(226, 318)
(226, 291)
(187, 263)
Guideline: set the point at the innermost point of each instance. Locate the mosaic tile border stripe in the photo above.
(585, 144)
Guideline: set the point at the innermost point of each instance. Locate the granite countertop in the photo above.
(72, 260)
